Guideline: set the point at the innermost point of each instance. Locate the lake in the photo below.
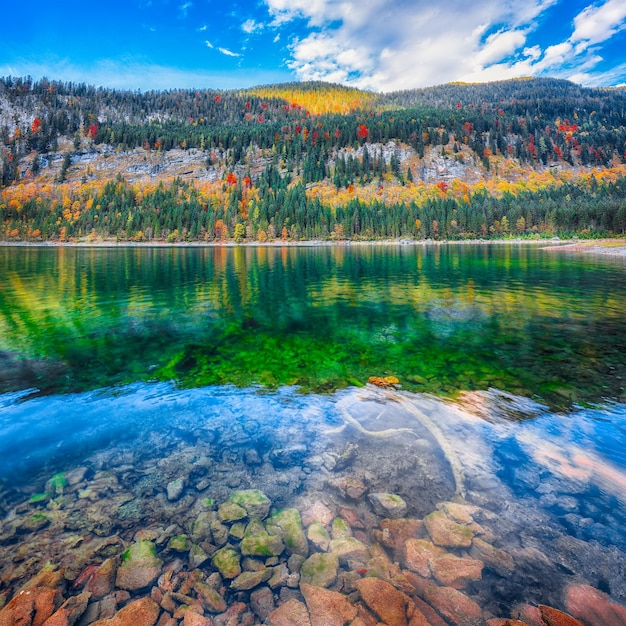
(148, 394)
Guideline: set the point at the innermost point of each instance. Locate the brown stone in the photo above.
(352, 487)
(461, 513)
(429, 613)
(389, 604)
(167, 620)
(454, 606)
(102, 581)
(317, 512)
(529, 614)
(142, 612)
(351, 517)
(396, 532)
(452, 571)
(503, 621)
(593, 607)
(327, 608)
(69, 612)
(232, 615)
(447, 533)
(210, 598)
(195, 619)
(47, 601)
(20, 611)
(291, 613)
(498, 560)
(262, 602)
(554, 617)
(418, 553)
(50, 577)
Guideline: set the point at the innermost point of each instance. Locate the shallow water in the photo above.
(512, 340)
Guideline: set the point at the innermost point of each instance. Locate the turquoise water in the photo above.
(443, 319)
(124, 369)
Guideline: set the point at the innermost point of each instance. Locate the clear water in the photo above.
(141, 365)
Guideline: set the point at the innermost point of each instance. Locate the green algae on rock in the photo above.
(140, 566)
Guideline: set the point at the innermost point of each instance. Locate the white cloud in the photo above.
(229, 53)
(596, 24)
(209, 44)
(202, 28)
(276, 39)
(184, 8)
(410, 43)
(249, 26)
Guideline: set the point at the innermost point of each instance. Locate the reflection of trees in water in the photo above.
(444, 319)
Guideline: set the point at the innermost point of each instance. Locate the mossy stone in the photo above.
(255, 502)
(237, 530)
(231, 512)
(140, 566)
(219, 532)
(57, 483)
(39, 498)
(179, 543)
(320, 569)
(318, 536)
(340, 528)
(258, 542)
(288, 524)
(249, 580)
(226, 562)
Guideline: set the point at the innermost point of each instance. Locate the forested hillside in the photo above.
(533, 157)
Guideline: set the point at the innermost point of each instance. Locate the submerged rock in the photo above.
(418, 553)
(444, 532)
(390, 605)
(256, 503)
(388, 504)
(340, 529)
(36, 605)
(250, 580)
(320, 569)
(258, 542)
(210, 598)
(553, 617)
(593, 607)
(289, 525)
(350, 551)
(291, 613)
(452, 571)
(498, 560)
(288, 457)
(455, 606)
(175, 489)
(262, 602)
(142, 612)
(326, 607)
(231, 512)
(317, 512)
(140, 566)
(318, 536)
(69, 612)
(226, 562)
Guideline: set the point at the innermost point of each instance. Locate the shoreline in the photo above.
(606, 247)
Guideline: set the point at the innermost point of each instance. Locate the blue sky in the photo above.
(383, 45)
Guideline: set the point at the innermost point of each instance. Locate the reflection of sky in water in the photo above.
(547, 476)
(46, 433)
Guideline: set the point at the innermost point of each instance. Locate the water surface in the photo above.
(123, 370)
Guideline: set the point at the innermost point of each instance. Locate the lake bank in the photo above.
(608, 247)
